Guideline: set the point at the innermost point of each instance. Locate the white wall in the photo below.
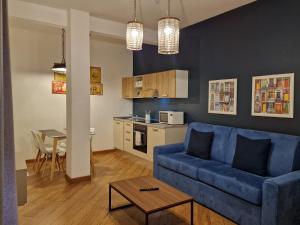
(116, 62)
(34, 48)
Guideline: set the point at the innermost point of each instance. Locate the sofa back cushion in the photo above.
(284, 151)
(284, 156)
(219, 145)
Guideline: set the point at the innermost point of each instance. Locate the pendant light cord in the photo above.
(63, 46)
(134, 10)
(169, 8)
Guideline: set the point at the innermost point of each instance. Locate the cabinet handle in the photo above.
(128, 124)
(118, 123)
(155, 130)
(164, 95)
(128, 132)
(127, 139)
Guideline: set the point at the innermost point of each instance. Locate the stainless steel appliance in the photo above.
(140, 137)
(171, 117)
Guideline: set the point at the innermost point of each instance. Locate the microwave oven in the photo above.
(171, 117)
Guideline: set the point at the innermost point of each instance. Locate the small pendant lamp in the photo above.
(168, 34)
(61, 67)
(134, 33)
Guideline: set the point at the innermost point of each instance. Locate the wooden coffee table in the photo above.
(149, 202)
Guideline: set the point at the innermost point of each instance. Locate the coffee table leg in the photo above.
(109, 200)
(192, 213)
(146, 219)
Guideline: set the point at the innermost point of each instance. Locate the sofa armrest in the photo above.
(281, 200)
(164, 149)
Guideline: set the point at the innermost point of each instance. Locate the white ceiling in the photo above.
(149, 11)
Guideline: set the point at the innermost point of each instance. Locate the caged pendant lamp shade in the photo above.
(61, 67)
(134, 33)
(168, 34)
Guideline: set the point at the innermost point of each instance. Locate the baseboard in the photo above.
(77, 179)
(29, 161)
(103, 151)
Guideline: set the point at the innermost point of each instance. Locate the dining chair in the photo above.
(92, 161)
(37, 148)
(46, 152)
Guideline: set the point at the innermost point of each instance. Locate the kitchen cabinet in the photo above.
(172, 84)
(163, 136)
(166, 84)
(150, 81)
(127, 87)
(128, 136)
(157, 134)
(118, 129)
(156, 137)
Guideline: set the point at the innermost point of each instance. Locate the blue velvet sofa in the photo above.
(245, 198)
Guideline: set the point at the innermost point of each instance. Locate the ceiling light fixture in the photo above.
(168, 34)
(61, 67)
(134, 33)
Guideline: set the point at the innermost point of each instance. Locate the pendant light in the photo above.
(134, 33)
(168, 34)
(61, 67)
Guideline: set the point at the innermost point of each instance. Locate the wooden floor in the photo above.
(86, 203)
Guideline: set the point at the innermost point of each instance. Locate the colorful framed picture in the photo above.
(59, 87)
(273, 95)
(95, 73)
(96, 89)
(60, 77)
(222, 96)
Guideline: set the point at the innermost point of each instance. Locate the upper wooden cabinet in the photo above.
(166, 84)
(127, 87)
(150, 81)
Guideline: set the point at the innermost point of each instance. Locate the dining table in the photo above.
(56, 136)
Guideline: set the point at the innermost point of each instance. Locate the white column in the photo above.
(78, 96)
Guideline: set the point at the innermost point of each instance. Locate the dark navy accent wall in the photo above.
(261, 38)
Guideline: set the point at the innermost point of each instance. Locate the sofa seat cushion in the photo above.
(185, 164)
(239, 183)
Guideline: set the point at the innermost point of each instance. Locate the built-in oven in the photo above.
(140, 137)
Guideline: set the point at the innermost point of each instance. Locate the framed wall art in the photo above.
(95, 74)
(222, 96)
(96, 89)
(273, 95)
(59, 87)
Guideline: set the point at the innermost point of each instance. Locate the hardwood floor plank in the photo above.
(86, 203)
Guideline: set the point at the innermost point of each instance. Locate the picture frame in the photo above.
(95, 74)
(59, 87)
(222, 96)
(273, 95)
(96, 89)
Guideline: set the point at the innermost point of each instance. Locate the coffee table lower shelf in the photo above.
(147, 213)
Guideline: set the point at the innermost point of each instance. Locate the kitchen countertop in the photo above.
(156, 125)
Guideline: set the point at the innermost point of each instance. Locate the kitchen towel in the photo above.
(138, 138)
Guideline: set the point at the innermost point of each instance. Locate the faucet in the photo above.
(134, 117)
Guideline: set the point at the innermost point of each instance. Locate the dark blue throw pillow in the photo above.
(251, 155)
(200, 144)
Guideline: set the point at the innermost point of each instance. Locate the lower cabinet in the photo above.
(128, 136)
(156, 137)
(118, 130)
(123, 137)
(163, 136)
